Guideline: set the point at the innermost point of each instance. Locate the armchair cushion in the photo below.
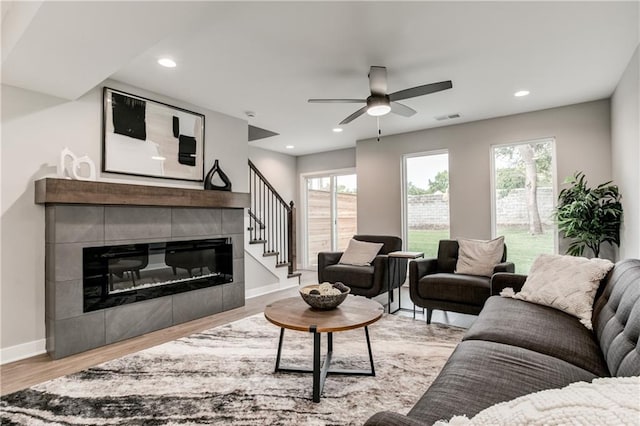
(360, 253)
(467, 289)
(478, 257)
(350, 275)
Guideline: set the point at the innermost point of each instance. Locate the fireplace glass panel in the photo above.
(116, 275)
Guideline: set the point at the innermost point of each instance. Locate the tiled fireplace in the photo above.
(73, 230)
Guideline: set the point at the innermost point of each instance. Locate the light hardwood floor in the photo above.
(28, 372)
(31, 371)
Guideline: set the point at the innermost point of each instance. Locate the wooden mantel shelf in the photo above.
(66, 191)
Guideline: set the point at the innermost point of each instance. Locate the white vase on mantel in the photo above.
(70, 166)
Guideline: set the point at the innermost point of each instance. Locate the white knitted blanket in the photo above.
(605, 401)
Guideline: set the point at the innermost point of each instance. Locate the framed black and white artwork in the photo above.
(147, 138)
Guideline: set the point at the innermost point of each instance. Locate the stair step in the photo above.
(281, 265)
(257, 242)
(271, 253)
(294, 274)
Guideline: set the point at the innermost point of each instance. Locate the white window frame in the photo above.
(554, 180)
(405, 200)
(304, 241)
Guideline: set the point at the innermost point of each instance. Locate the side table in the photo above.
(398, 275)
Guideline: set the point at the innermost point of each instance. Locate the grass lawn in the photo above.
(522, 248)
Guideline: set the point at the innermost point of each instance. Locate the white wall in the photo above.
(582, 135)
(35, 128)
(625, 153)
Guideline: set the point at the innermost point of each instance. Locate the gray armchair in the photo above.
(434, 285)
(368, 281)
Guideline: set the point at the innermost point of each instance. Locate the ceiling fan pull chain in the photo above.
(379, 132)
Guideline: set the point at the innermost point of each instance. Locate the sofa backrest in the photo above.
(448, 255)
(616, 318)
(390, 242)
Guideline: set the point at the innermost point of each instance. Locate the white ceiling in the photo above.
(271, 57)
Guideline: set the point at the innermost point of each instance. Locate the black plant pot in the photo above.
(208, 181)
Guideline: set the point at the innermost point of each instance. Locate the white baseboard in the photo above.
(22, 351)
(268, 289)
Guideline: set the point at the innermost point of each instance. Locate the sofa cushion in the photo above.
(469, 289)
(567, 283)
(538, 328)
(351, 276)
(480, 374)
(616, 319)
(479, 257)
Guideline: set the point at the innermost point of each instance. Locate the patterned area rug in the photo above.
(225, 376)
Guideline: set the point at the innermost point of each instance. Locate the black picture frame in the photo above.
(143, 137)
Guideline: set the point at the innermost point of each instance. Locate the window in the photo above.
(426, 201)
(523, 199)
(331, 214)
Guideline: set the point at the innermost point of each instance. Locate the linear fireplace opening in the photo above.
(121, 274)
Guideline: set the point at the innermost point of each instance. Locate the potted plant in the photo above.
(589, 216)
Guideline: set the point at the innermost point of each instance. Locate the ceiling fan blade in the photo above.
(378, 80)
(401, 109)
(355, 115)
(337, 101)
(420, 90)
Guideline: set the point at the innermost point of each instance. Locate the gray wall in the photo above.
(324, 161)
(582, 134)
(625, 152)
(279, 169)
(35, 128)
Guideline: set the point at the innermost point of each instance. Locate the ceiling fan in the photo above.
(381, 103)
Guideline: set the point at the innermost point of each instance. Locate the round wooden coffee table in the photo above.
(294, 314)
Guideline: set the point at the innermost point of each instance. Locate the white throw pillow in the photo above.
(478, 257)
(604, 401)
(566, 283)
(360, 253)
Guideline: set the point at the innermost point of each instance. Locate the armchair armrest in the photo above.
(502, 280)
(327, 258)
(380, 277)
(421, 267)
(389, 418)
(504, 267)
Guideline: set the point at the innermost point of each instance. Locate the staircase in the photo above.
(272, 240)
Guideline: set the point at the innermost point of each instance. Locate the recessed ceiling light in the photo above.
(167, 62)
(289, 146)
(337, 129)
(521, 93)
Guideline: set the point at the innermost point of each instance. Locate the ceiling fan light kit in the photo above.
(380, 103)
(377, 105)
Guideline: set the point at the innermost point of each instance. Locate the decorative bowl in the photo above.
(323, 302)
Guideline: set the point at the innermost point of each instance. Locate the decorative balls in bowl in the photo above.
(325, 296)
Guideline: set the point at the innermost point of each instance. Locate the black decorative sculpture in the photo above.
(208, 181)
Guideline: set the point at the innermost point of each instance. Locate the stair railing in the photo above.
(271, 220)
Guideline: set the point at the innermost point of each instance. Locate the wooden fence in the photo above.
(319, 221)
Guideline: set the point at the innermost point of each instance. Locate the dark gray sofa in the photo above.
(515, 348)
